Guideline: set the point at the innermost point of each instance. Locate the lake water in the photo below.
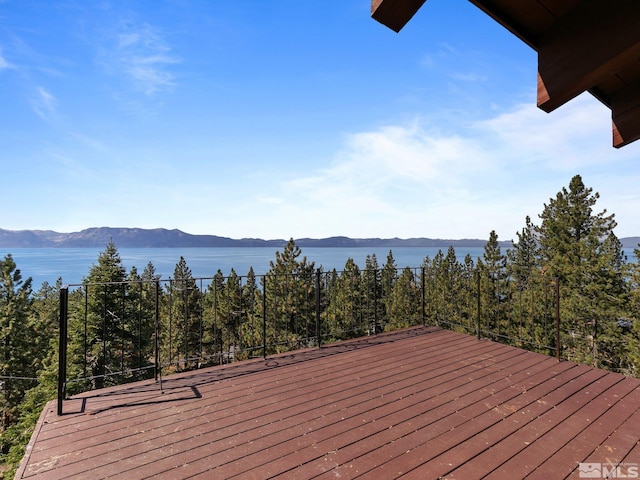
(73, 264)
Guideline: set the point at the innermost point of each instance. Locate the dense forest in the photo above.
(123, 326)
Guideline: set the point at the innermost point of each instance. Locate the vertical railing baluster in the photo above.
(318, 336)
(140, 315)
(85, 341)
(157, 331)
(62, 346)
(264, 318)
(423, 312)
(479, 304)
(122, 328)
(104, 337)
(557, 288)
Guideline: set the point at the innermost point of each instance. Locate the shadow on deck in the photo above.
(418, 403)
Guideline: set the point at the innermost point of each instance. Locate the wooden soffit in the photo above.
(582, 45)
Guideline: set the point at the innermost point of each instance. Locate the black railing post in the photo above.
(422, 297)
(140, 356)
(62, 346)
(122, 316)
(375, 302)
(264, 319)
(102, 362)
(557, 292)
(318, 335)
(156, 346)
(479, 304)
(85, 341)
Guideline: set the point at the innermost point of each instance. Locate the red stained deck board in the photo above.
(364, 365)
(356, 423)
(413, 451)
(323, 406)
(435, 413)
(544, 416)
(540, 452)
(164, 457)
(618, 446)
(633, 455)
(566, 459)
(222, 390)
(415, 401)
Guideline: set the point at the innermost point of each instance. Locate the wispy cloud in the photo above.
(488, 175)
(95, 144)
(140, 52)
(576, 135)
(469, 77)
(4, 64)
(44, 104)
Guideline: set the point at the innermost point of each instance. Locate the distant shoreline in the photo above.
(161, 238)
(164, 238)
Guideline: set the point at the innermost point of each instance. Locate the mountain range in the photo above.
(161, 237)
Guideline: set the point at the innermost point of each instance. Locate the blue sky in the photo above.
(287, 118)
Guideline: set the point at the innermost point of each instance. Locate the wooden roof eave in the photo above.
(395, 13)
(581, 46)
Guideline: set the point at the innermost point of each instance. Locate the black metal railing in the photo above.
(113, 333)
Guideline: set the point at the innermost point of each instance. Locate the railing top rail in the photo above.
(508, 276)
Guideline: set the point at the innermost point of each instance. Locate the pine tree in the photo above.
(403, 304)
(451, 280)
(213, 333)
(251, 327)
(387, 282)
(493, 286)
(580, 249)
(102, 338)
(493, 259)
(44, 342)
(524, 257)
(437, 289)
(44, 318)
(289, 287)
(468, 267)
(183, 329)
(151, 295)
(372, 292)
(630, 323)
(345, 311)
(19, 359)
(229, 312)
(139, 321)
(533, 291)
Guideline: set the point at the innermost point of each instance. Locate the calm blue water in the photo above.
(73, 264)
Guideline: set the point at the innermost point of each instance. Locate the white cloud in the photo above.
(575, 135)
(4, 64)
(44, 104)
(470, 77)
(413, 180)
(143, 55)
(94, 144)
(270, 200)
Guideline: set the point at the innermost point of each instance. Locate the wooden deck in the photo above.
(421, 403)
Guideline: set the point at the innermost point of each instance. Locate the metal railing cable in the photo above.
(113, 333)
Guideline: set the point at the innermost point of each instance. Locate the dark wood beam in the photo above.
(596, 39)
(524, 21)
(394, 13)
(625, 115)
